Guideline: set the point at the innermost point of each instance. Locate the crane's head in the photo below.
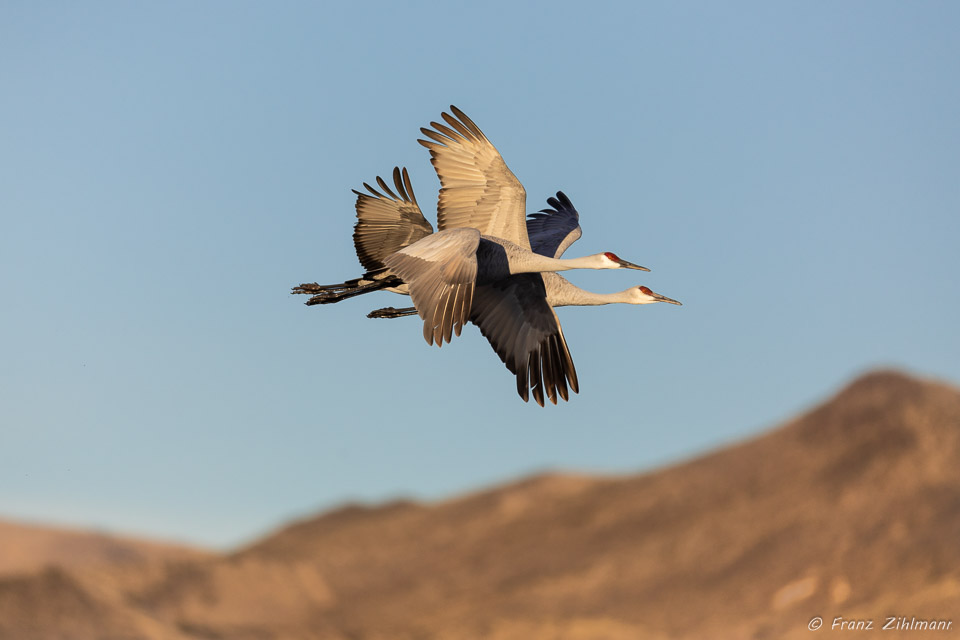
(643, 295)
(610, 260)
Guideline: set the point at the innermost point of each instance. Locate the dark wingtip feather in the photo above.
(431, 145)
(375, 193)
(409, 186)
(556, 362)
(572, 377)
(465, 119)
(536, 377)
(463, 130)
(447, 131)
(436, 135)
(523, 387)
(386, 189)
(428, 334)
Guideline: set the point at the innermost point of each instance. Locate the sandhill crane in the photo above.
(551, 233)
(388, 222)
(503, 310)
(482, 238)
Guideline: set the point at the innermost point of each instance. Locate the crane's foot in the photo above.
(390, 312)
(313, 288)
(335, 293)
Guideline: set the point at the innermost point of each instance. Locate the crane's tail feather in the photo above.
(390, 312)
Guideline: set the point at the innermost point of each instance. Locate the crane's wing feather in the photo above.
(478, 189)
(514, 316)
(387, 221)
(553, 230)
(440, 271)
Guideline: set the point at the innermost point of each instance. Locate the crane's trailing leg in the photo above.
(314, 288)
(330, 293)
(390, 312)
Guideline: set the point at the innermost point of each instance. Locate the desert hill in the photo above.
(66, 583)
(29, 547)
(852, 510)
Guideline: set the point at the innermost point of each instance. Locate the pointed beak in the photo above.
(630, 265)
(660, 298)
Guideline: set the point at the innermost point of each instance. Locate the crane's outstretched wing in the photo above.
(553, 230)
(388, 221)
(441, 272)
(478, 190)
(515, 318)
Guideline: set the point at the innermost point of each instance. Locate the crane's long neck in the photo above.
(498, 258)
(562, 293)
(585, 298)
(535, 263)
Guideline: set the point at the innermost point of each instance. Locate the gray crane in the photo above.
(551, 232)
(516, 306)
(482, 238)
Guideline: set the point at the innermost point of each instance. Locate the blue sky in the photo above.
(790, 171)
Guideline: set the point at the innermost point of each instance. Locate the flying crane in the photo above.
(482, 265)
(482, 233)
